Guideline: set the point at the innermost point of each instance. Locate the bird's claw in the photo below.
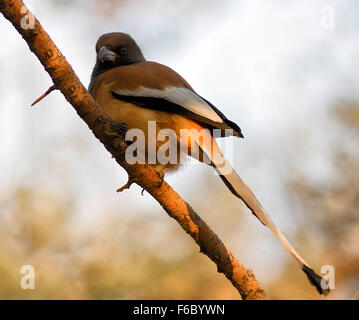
(118, 129)
(161, 182)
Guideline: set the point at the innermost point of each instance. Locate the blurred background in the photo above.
(285, 71)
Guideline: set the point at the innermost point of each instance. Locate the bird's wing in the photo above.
(154, 86)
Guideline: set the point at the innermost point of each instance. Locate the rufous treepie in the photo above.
(137, 92)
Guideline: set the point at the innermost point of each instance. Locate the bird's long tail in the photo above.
(236, 185)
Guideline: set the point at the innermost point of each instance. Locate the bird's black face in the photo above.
(117, 49)
(114, 50)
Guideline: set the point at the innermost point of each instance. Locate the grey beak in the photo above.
(106, 55)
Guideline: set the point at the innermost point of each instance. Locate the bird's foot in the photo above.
(118, 129)
(161, 175)
(113, 134)
(161, 182)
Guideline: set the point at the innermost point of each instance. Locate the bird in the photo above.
(138, 92)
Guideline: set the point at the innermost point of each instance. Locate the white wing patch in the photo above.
(180, 96)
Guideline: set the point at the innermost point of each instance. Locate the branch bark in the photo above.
(65, 80)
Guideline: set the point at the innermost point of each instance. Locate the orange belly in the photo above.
(155, 125)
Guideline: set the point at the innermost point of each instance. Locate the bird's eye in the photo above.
(123, 50)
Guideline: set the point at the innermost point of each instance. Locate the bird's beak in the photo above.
(106, 55)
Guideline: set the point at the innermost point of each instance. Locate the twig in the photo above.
(126, 186)
(75, 93)
(48, 91)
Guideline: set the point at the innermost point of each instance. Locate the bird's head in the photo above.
(116, 49)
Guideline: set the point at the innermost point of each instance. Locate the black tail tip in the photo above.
(316, 280)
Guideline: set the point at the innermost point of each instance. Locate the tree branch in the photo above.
(65, 80)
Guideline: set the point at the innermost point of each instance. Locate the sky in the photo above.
(274, 67)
